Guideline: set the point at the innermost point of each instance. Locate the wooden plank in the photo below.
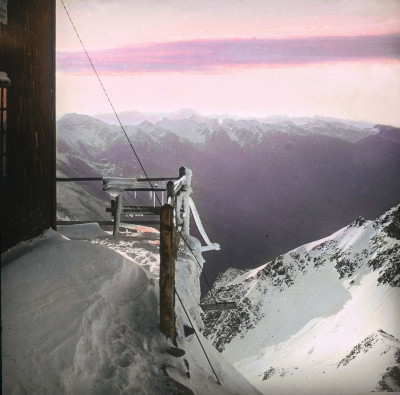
(168, 254)
(88, 221)
(146, 189)
(74, 179)
(70, 179)
(219, 306)
(144, 210)
(157, 179)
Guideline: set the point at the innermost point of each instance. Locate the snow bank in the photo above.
(80, 318)
(82, 231)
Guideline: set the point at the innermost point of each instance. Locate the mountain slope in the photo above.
(280, 184)
(307, 317)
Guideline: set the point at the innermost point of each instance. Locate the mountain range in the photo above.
(319, 319)
(261, 188)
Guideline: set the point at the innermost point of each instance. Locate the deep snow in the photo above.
(307, 312)
(79, 317)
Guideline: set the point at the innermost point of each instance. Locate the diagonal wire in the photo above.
(151, 185)
(198, 338)
(109, 100)
(129, 141)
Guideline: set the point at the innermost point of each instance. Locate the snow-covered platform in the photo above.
(81, 316)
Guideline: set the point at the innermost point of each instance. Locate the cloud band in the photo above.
(222, 54)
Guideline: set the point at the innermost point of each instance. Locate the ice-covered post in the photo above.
(186, 190)
(117, 214)
(168, 254)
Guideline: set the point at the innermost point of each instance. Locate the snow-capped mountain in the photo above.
(322, 318)
(288, 185)
(189, 124)
(249, 132)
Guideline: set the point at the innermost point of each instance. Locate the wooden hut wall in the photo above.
(27, 55)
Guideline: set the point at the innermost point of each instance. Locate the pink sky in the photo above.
(248, 58)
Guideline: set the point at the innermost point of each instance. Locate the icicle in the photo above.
(162, 198)
(210, 246)
(135, 194)
(151, 195)
(178, 209)
(154, 199)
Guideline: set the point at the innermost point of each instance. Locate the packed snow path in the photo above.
(80, 318)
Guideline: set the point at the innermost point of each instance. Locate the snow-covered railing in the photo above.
(117, 186)
(178, 195)
(175, 223)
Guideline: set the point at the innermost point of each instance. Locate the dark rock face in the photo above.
(269, 373)
(362, 347)
(390, 381)
(393, 228)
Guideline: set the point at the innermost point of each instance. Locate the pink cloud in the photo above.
(224, 54)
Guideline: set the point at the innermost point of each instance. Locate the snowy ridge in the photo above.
(196, 128)
(370, 342)
(307, 312)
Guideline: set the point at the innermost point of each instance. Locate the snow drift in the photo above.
(79, 317)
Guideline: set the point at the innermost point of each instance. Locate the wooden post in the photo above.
(168, 254)
(117, 215)
(182, 171)
(170, 191)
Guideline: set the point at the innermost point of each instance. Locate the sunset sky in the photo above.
(242, 57)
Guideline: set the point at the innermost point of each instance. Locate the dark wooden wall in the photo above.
(27, 55)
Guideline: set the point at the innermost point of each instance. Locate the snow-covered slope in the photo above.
(322, 318)
(80, 318)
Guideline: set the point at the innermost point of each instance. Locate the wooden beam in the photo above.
(105, 223)
(157, 179)
(70, 179)
(144, 210)
(73, 179)
(168, 254)
(145, 189)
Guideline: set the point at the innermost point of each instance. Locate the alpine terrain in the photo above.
(282, 182)
(320, 319)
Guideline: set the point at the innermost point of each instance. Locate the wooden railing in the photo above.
(175, 225)
(117, 187)
(174, 219)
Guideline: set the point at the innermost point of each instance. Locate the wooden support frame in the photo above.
(117, 215)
